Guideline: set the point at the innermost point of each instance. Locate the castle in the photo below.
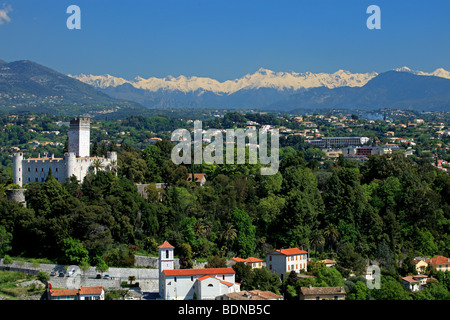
(76, 162)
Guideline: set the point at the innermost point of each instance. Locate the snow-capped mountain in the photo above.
(265, 89)
(263, 78)
(440, 72)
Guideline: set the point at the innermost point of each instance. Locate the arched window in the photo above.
(210, 285)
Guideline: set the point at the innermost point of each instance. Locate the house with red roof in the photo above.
(287, 260)
(199, 178)
(416, 282)
(440, 263)
(185, 284)
(83, 293)
(250, 261)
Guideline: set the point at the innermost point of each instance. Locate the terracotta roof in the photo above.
(322, 290)
(192, 272)
(249, 259)
(74, 292)
(290, 251)
(166, 245)
(327, 261)
(410, 279)
(252, 259)
(91, 290)
(63, 292)
(438, 260)
(197, 177)
(253, 295)
(265, 294)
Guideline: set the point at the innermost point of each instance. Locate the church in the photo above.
(76, 162)
(186, 284)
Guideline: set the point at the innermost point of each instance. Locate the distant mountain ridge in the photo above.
(266, 89)
(25, 84)
(263, 78)
(392, 89)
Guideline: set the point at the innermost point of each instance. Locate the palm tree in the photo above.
(331, 234)
(113, 166)
(96, 165)
(316, 240)
(228, 234)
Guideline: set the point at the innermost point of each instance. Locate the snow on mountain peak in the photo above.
(262, 78)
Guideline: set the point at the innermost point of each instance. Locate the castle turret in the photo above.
(70, 159)
(79, 137)
(17, 168)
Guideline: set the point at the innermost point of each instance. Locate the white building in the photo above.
(76, 162)
(287, 260)
(183, 284)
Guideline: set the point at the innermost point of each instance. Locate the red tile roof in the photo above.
(291, 251)
(229, 284)
(249, 259)
(197, 177)
(91, 290)
(166, 245)
(438, 260)
(196, 272)
(74, 292)
(63, 292)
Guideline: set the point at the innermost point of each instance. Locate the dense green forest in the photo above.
(390, 208)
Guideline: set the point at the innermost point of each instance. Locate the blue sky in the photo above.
(226, 39)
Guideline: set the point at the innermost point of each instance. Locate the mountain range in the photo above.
(268, 89)
(26, 86)
(29, 86)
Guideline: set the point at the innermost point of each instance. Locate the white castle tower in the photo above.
(79, 137)
(165, 262)
(76, 162)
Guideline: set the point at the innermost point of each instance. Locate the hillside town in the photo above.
(50, 163)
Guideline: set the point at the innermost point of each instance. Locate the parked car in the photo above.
(106, 276)
(61, 274)
(53, 273)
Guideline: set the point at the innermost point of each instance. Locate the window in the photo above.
(29, 169)
(192, 278)
(335, 297)
(56, 169)
(210, 285)
(270, 258)
(167, 254)
(223, 277)
(175, 279)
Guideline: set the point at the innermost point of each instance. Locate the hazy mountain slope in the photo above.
(390, 89)
(26, 84)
